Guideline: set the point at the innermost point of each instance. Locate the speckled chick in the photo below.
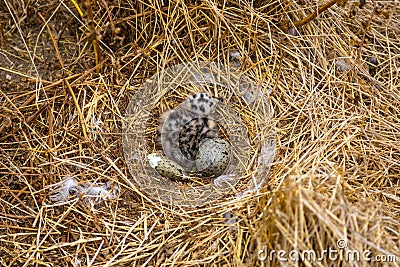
(193, 132)
(182, 129)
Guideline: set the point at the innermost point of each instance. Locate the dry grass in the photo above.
(336, 174)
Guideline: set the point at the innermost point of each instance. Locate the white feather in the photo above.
(95, 193)
(62, 191)
(92, 193)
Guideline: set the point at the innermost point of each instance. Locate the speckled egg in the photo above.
(213, 156)
(167, 168)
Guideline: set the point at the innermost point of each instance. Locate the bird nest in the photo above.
(244, 116)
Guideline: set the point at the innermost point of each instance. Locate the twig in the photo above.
(366, 26)
(309, 18)
(93, 34)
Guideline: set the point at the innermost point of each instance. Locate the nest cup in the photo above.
(244, 114)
